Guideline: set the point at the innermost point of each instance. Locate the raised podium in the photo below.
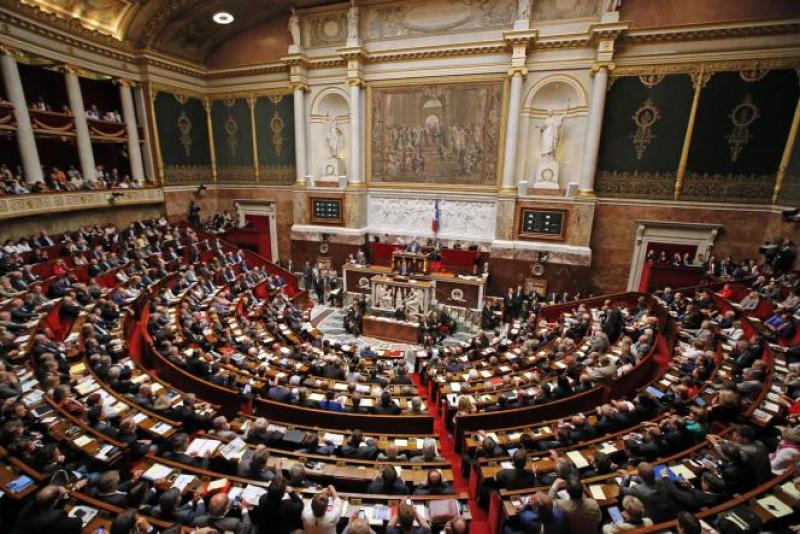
(411, 262)
(392, 292)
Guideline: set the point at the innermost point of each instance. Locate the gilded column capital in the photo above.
(607, 65)
(517, 71)
(125, 83)
(207, 104)
(9, 50)
(301, 85)
(251, 101)
(356, 82)
(700, 78)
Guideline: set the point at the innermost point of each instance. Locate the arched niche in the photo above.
(559, 93)
(329, 103)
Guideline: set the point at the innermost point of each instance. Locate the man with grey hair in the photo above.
(392, 454)
(428, 452)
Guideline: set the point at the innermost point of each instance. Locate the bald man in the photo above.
(46, 513)
(218, 507)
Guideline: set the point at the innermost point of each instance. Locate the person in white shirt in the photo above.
(323, 514)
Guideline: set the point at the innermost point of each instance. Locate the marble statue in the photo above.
(551, 129)
(294, 27)
(413, 303)
(523, 9)
(334, 137)
(352, 22)
(384, 297)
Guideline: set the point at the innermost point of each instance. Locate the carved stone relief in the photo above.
(460, 219)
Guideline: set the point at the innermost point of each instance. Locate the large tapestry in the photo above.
(182, 128)
(437, 133)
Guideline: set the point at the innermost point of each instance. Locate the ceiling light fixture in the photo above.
(222, 17)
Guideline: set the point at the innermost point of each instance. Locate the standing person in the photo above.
(319, 288)
(194, 213)
(324, 513)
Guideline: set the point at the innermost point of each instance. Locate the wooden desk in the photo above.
(391, 330)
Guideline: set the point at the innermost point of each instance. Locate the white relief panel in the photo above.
(459, 219)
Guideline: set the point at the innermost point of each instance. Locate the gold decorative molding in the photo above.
(711, 31)
(212, 149)
(699, 81)
(26, 205)
(515, 71)
(708, 67)
(787, 154)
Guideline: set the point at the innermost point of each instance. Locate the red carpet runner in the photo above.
(479, 524)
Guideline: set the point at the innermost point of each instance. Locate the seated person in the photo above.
(388, 483)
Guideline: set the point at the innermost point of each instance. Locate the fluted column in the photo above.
(594, 125)
(134, 147)
(354, 167)
(512, 129)
(142, 101)
(300, 131)
(84, 141)
(29, 155)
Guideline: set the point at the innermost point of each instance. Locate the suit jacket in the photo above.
(583, 516)
(515, 479)
(33, 519)
(657, 499)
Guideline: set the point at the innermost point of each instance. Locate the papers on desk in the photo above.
(597, 492)
(316, 397)
(455, 387)
(104, 452)
(791, 490)
(84, 513)
(203, 447)
(367, 403)
(139, 417)
(182, 482)
(775, 506)
(161, 428)
(252, 494)
(401, 443)
(381, 513)
(83, 440)
(156, 472)
(681, 470)
(608, 448)
(233, 450)
(334, 439)
(507, 465)
(577, 458)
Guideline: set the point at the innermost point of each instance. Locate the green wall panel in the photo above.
(742, 124)
(233, 140)
(643, 130)
(183, 138)
(275, 136)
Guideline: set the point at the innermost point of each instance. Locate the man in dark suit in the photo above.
(712, 491)
(388, 483)
(180, 442)
(45, 514)
(386, 406)
(654, 493)
(613, 323)
(355, 448)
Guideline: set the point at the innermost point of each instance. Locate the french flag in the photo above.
(437, 215)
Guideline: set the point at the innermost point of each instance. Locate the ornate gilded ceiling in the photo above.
(181, 28)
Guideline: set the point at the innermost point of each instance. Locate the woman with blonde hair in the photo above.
(632, 517)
